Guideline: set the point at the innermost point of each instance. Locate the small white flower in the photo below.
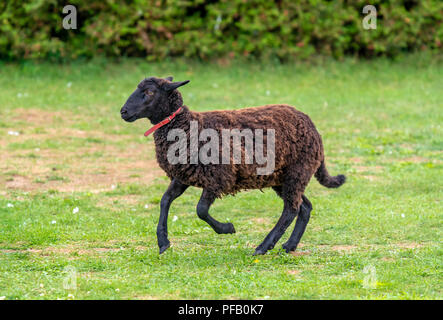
(174, 218)
(37, 149)
(71, 296)
(69, 84)
(53, 222)
(146, 206)
(10, 205)
(117, 290)
(75, 210)
(2, 298)
(41, 285)
(13, 133)
(113, 186)
(266, 297)
(402, 215)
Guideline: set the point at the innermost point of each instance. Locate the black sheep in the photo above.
(297, 154)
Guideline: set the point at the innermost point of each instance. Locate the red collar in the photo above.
(163, 122)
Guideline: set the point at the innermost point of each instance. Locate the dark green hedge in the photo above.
(209, 28)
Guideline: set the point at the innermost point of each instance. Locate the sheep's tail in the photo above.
(326, 180)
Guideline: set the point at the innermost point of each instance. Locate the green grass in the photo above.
(381, 126)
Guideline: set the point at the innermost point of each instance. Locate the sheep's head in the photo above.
(154, 98)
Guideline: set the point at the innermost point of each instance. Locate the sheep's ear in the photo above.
(169, 78)
(174, 85)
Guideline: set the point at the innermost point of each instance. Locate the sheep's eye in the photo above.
(149, 92)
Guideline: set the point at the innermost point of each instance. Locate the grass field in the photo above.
(80, 188)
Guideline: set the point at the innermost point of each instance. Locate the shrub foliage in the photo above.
(209, 28)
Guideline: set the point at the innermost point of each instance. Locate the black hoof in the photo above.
(259, 251)
(226, 228)
(288, 248)
(164, 247)
(230, 228)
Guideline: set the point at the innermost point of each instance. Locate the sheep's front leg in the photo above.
(175, 189)
(206, 199)
(300, 225)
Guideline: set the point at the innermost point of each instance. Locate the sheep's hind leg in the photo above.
(175, 189)
(206, 200)
(288, 215)
(300, 225)
(292, 194)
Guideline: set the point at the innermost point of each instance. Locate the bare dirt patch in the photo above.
(343, 248)
(371, 178)
(356, 160)
(300, 253)
(415, 159)
(434, 157)
(293, 272)
(71, 250)
(261, 221)
(387, 259)
(350, 248)
(52, 155)
(17, 182)
(38, 117)
(409, 245)
(368, 168)
(339, 248)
